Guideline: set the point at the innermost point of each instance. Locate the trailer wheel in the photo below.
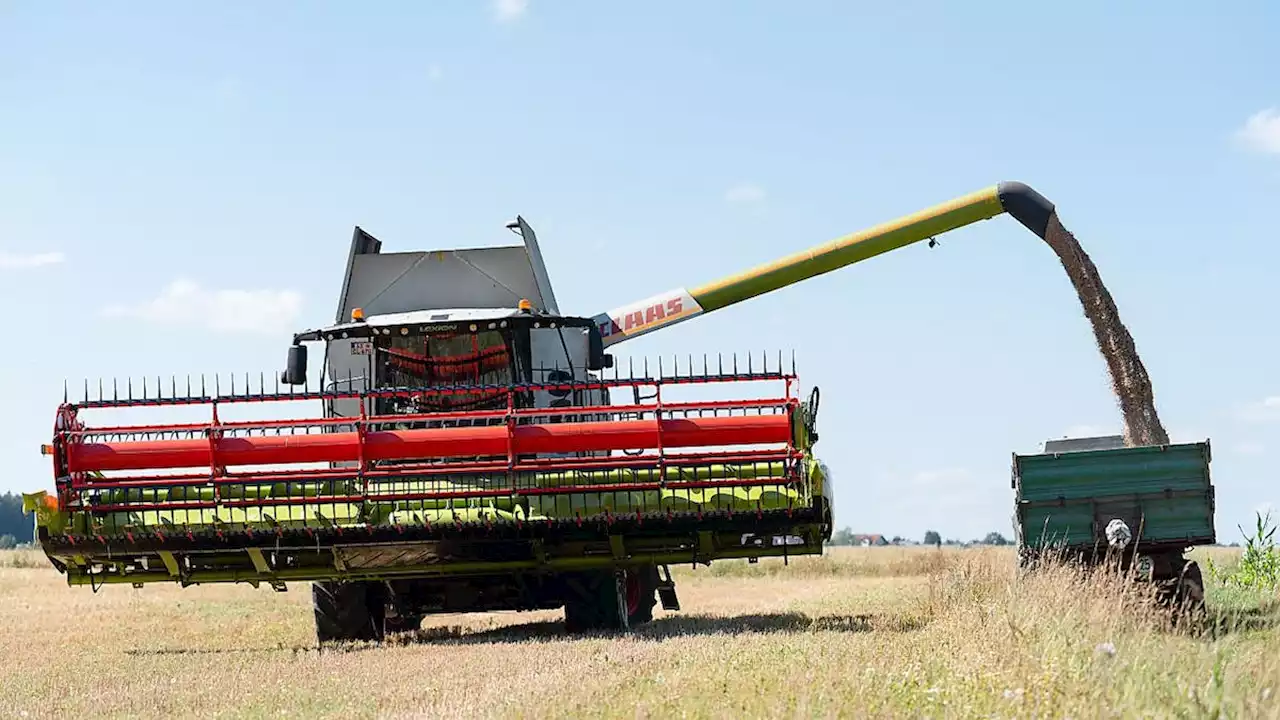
(1189, 592)
(348, 611)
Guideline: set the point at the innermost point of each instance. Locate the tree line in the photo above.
(846, 536)
(15, 528)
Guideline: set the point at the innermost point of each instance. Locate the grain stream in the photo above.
(1129, 378)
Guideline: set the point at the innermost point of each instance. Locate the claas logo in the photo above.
(641, 317)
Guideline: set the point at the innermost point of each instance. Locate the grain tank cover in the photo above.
(485, 277)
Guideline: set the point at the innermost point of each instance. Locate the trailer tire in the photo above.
(348, 611)
(1189, 592)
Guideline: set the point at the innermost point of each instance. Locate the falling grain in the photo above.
(1128, 375)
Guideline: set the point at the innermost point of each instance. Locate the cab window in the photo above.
(447, 359)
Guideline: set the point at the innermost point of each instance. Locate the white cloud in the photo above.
(510, 10)
(9, 261)
(185, 303)
(1264, 410)
(1261, 132)
(744, 193)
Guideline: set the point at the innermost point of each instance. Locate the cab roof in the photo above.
(421, 321)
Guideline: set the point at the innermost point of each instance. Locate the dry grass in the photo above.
(31, 559)
(862, 632)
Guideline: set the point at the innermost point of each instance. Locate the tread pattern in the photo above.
(600, 604)
(351, 611)
(648, 596)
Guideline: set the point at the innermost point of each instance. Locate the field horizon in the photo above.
(863, 632)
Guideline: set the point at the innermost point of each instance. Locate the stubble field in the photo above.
(860, 632)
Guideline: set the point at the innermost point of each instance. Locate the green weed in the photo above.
(1259, 565)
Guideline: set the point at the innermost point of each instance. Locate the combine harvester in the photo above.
(468, 456)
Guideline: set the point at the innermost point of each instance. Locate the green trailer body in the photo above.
(1162, 493)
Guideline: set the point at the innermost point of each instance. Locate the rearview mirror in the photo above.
(597, 358)
(295, 371)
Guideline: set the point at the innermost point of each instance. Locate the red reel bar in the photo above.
(435, 443)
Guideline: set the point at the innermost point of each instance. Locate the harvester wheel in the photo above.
(612, 601)
(596, 603)
(347, 611)
(642, 594)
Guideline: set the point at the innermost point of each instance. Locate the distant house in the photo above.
(869, 540)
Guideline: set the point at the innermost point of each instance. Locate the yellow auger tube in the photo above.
(1020, 201)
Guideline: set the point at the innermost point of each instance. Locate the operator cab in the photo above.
(481, 352)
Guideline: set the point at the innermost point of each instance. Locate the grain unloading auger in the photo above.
(467, 456)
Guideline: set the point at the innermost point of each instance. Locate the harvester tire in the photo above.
(595, 603)
(611, 602)
(348, 611)
(642, 594)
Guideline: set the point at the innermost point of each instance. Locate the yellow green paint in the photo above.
(849, 249)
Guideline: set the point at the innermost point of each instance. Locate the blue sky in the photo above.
(178, 186)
